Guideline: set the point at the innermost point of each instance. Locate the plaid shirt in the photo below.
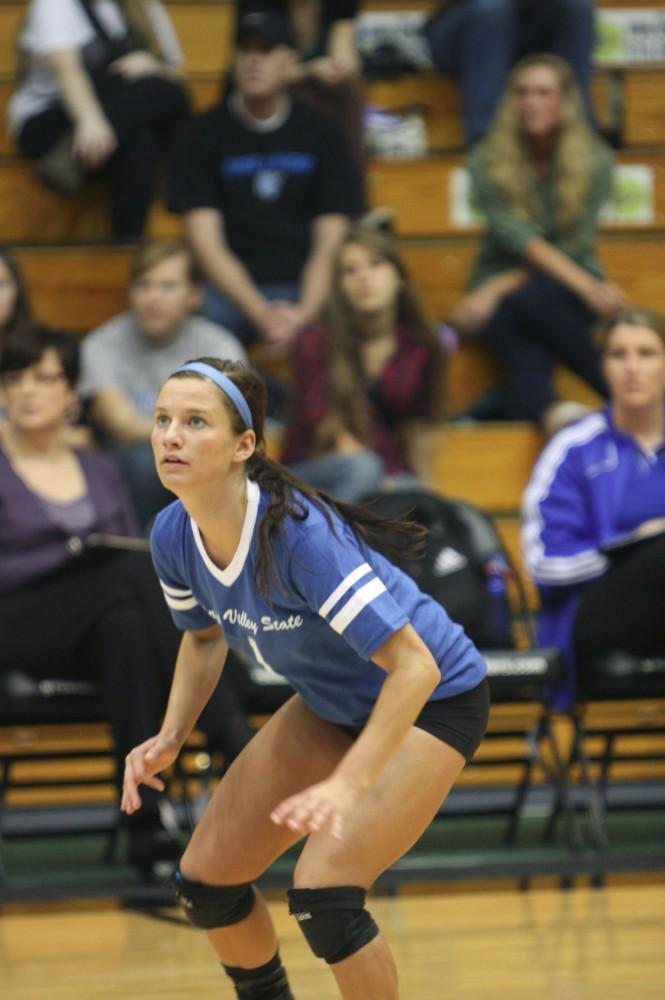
(399, 394)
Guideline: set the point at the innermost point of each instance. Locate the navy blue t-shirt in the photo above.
(269, 186)
(336, 602)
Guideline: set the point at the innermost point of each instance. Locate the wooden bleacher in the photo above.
(77, 280)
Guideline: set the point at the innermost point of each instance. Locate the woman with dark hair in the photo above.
(541, 178)
(594, 511)
(372, 368)
(15, 311)
(99, 88)
(68, 607)
(391, 697)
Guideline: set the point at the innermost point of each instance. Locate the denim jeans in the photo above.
(477, 42)
(346, 477)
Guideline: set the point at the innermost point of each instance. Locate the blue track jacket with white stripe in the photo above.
(335, 602)
(571, 512)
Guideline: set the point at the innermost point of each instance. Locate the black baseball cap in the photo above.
(269, 25)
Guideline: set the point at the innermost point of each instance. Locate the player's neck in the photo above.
(646, 424)
(381, 325)
(263, 114)
(220, 518)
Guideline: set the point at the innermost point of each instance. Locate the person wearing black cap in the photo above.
(267, 186)
(324, 33)
(328, 73)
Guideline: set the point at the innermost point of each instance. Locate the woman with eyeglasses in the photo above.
(73, 608)
(68, 609)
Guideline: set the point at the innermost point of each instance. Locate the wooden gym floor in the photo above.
(548, 944)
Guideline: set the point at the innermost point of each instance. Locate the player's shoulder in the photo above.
(170, 528)
(578, 437)
(316, 528)
(318, 128)
(111, 334)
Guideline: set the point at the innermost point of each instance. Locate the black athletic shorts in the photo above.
(460, 721)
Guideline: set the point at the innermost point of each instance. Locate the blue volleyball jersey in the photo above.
(334, 603)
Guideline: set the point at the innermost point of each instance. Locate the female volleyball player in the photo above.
(390, 696)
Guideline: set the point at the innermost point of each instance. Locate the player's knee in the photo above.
(209, 906)
(334, 920)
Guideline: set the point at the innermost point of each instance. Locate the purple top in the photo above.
(33, 543)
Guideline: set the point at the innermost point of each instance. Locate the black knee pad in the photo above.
(209, 906)
(267, 982)
(334, 920)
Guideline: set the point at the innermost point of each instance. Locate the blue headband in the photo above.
(228, 387)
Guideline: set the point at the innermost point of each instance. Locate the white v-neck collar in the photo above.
(229, 575)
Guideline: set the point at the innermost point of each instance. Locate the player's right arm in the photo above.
(198, 668)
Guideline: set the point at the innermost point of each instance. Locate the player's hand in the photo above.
(654, 526)
(326, 804)
(604, 297)
(474, 311)
(94, 140)
(328, 70)
(284, 320)
(141, 765)
(134, 65)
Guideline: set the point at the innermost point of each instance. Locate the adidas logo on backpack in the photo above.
(449, 561)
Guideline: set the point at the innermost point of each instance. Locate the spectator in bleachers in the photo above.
(372, 368)
(15, 314)
(329, 68)
(69, 605)
(67, 608)
(477, 42)
(593, 530)
(126, 360)
(266, 185)
(540, 178)
(99, 90)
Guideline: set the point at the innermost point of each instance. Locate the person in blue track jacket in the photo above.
(593, 527)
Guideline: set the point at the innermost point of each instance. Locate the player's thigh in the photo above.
(388, 820)
(235, 840)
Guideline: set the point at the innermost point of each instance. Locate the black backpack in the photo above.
(463, 566)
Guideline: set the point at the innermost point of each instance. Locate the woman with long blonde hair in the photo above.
(371, 368)
(99, 89)
(541, 178)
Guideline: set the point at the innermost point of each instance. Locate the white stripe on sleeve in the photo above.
(340, 590)
(173, 591)
(544, 568)
(355, 605)
(181, 603)
(179, 600)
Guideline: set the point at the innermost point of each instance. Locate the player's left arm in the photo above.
(326, 234)
(413, 674)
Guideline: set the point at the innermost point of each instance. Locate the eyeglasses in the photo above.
(13, 378)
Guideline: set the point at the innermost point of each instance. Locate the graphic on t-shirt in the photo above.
(269, 171)
(268, 185)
